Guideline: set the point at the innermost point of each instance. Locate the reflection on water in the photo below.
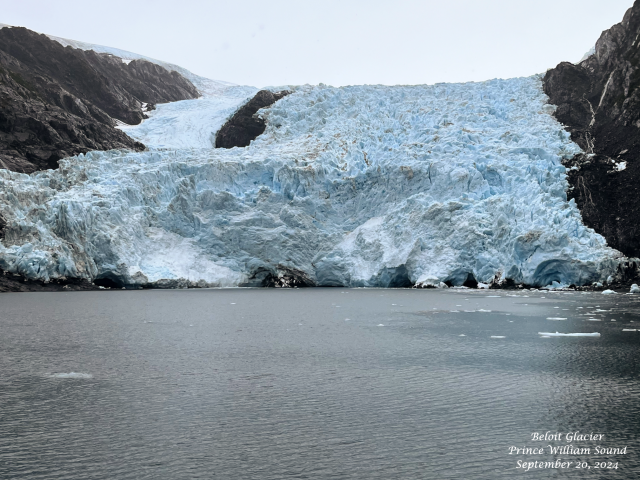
(321, 383)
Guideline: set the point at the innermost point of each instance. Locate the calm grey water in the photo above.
(313, 384)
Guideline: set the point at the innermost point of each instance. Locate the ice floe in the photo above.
(549, 334)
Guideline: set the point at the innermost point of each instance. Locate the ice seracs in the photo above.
(353, 186)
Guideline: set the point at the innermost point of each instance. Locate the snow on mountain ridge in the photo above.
(354, 186)
(206, 86)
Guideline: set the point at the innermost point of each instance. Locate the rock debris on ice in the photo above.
(357, 186)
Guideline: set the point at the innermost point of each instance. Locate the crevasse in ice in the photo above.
(353, 186)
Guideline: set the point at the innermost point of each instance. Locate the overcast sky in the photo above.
(337, 42)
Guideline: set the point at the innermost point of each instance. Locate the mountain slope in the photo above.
(599, 102)
(59, 101)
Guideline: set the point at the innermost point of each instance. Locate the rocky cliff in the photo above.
(598, 100)
(245, 126)
(59, 101)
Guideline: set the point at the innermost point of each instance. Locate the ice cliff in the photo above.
(353, 186)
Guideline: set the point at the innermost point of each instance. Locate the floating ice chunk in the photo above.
(483, 286)
(621, 166)
(498, 336)
(608, 292)
(443, 285)
(462, 335)
(634, 288)
(483, 310)
(594, 319)
(629, 329)
(597, 284)
(556, 318)
(381, 324)
(347, 319)
(71, 375)
(557, 334)
(610, 279)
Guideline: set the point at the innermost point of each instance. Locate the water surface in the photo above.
(314, 383)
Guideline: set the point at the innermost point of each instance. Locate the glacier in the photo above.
(360, 186)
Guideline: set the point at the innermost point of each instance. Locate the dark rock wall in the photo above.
(599, 102)
(244, 126)
(59, 101)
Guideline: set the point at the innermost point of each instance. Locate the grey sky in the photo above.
(337, 42)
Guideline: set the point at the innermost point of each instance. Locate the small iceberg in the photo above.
(71, 375)
(557, 334)
(556, 318)
(498, 336)
(608, 292)
(634, 288)
(629, 329)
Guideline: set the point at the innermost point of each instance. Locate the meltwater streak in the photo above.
(272, 384)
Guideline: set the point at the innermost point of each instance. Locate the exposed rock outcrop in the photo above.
(59, 101)
(599, 102)
(17, 283)
(245, 125)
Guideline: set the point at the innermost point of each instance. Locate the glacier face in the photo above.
(354, 186)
